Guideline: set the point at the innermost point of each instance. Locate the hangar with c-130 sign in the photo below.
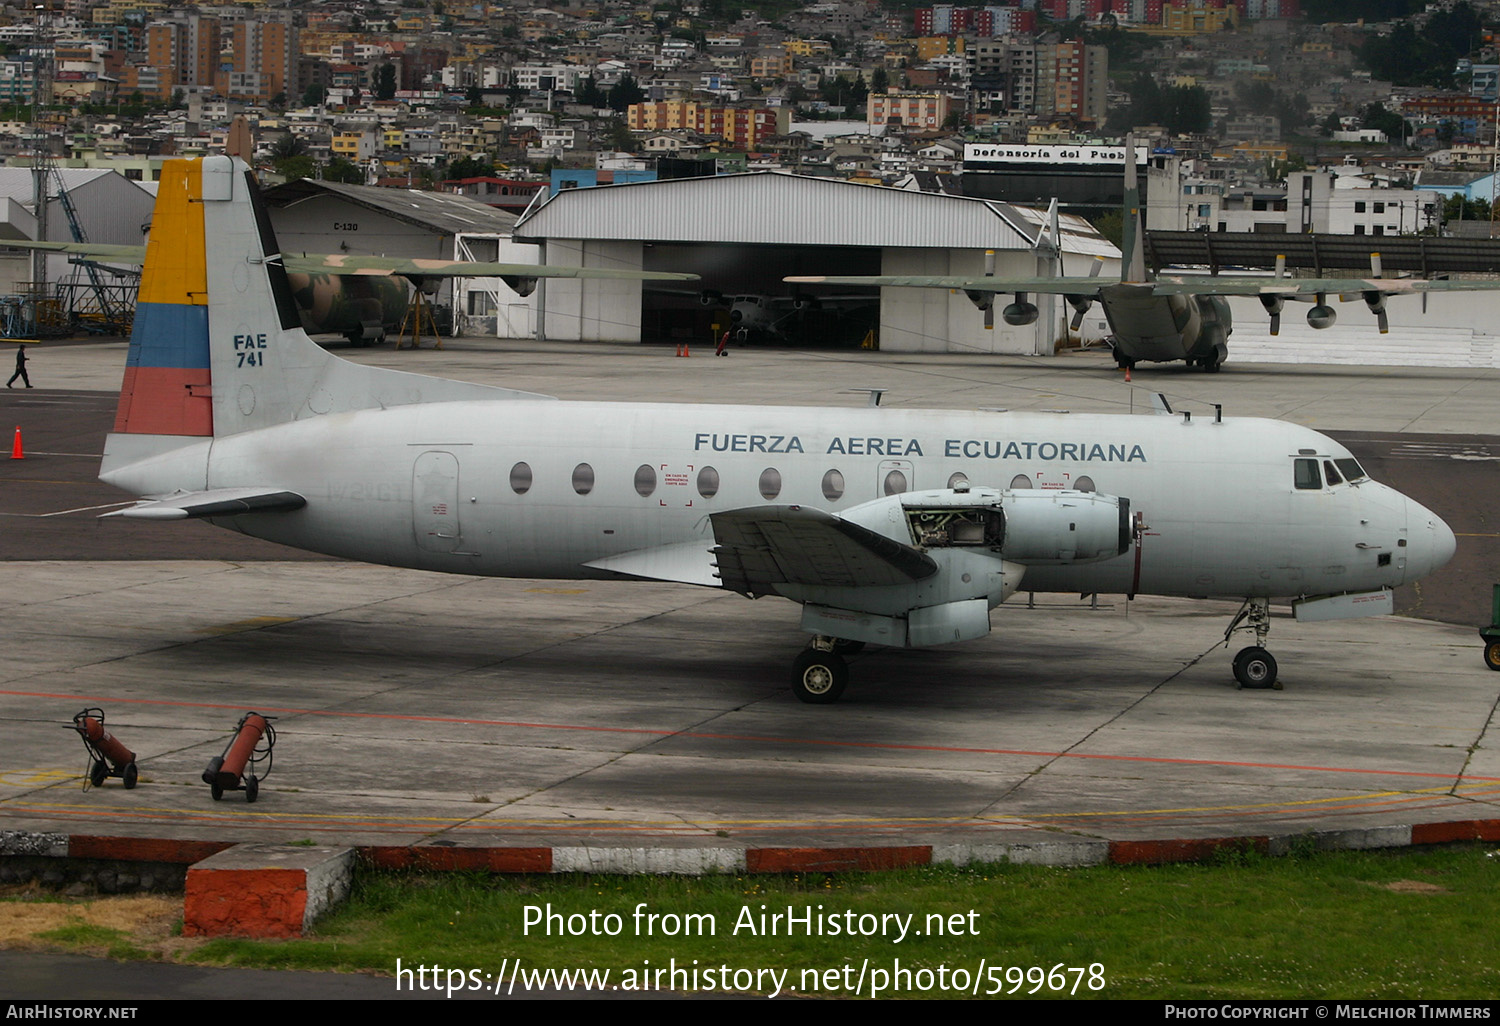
(743, 233)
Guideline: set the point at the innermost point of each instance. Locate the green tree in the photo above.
(314, 95)
(625, 92)
(385, 82)
(293, 168)
(341, 169)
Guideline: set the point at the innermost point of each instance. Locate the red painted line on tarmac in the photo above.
(700, 736)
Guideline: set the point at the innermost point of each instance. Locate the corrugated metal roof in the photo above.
(445, 212)
(774, 208)
(16, 182)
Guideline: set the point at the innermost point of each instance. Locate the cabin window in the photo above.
(770, 483)
(958, 481)
(1331, 474)
(1352, 470)
(833, 486)
(583, 479)
(895, 483)
(1085, 484)
(645, 479)
(520, 478)
(1306, 474)
(1020, 481)
(708, 482)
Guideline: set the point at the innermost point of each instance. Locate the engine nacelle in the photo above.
(1018, 315)
(982, 300)
(1321, 316)
(708, 297)
(523, 286)
(1031, 527)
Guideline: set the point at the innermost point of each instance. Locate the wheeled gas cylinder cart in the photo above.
(1491, 634)
(107, 757)
(248, 750)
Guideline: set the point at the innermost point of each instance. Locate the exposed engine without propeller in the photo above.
(980, 542)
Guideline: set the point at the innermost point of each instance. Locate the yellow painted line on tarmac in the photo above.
(255, 623)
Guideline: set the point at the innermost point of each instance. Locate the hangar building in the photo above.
(743, 233)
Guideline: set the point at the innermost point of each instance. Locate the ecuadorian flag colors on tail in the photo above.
(167, 378)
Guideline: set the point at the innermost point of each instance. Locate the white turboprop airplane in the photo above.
(1166, 318)
(897, 527)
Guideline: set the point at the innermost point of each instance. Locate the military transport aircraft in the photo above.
(1169, 318)
(359, 296)
(896, 527)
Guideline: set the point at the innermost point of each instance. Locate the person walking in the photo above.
(20, 369)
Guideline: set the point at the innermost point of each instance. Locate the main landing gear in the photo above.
(1254, 667)
(819, 673)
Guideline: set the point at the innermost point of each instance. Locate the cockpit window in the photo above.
(1352, 470)
(1331, 474)
(1306, 474)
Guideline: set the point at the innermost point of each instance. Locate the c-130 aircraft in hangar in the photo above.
(1166, 318)
(895, 527)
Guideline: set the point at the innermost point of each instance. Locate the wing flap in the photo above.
(216, 502)
(761, 547)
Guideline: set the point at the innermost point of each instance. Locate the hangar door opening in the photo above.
(741, 292)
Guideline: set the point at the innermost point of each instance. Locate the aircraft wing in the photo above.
(351, 263)
(1167, 285)
(355, 263)
(760, 547)
(1050, 286)
(97, 250)
(216, 502)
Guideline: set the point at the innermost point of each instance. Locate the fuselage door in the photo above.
(434, 490)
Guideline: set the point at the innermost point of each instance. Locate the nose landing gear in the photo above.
(1254, 667)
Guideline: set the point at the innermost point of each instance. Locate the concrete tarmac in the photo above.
(421, 709)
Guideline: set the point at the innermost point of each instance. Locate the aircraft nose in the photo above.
(1431, 542)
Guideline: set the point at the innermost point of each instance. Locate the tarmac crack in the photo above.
(1093, 731)
(1473, 747)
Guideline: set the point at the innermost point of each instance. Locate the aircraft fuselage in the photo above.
(539, 489)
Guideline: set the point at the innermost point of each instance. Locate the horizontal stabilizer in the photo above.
(216, 502)
(761, 547)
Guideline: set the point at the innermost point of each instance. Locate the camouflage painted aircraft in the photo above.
(360, 296)
(1170, 317)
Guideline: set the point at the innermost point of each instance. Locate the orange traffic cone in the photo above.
(685, 350)
(1127, 374)
(15, 449)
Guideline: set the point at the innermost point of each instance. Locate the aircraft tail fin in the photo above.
(1132, 244)
(217, 347)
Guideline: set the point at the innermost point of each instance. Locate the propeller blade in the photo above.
(1276, 324)
(1077, 320)
(1381, 320)
(1280, 268)
(1375, 265)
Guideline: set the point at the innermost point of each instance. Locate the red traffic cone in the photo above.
(15, 449)
(1127, 373)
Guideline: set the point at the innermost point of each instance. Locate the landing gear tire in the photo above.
(1492, 655)
(1254, 667)
(98, 772)
(818, 677)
